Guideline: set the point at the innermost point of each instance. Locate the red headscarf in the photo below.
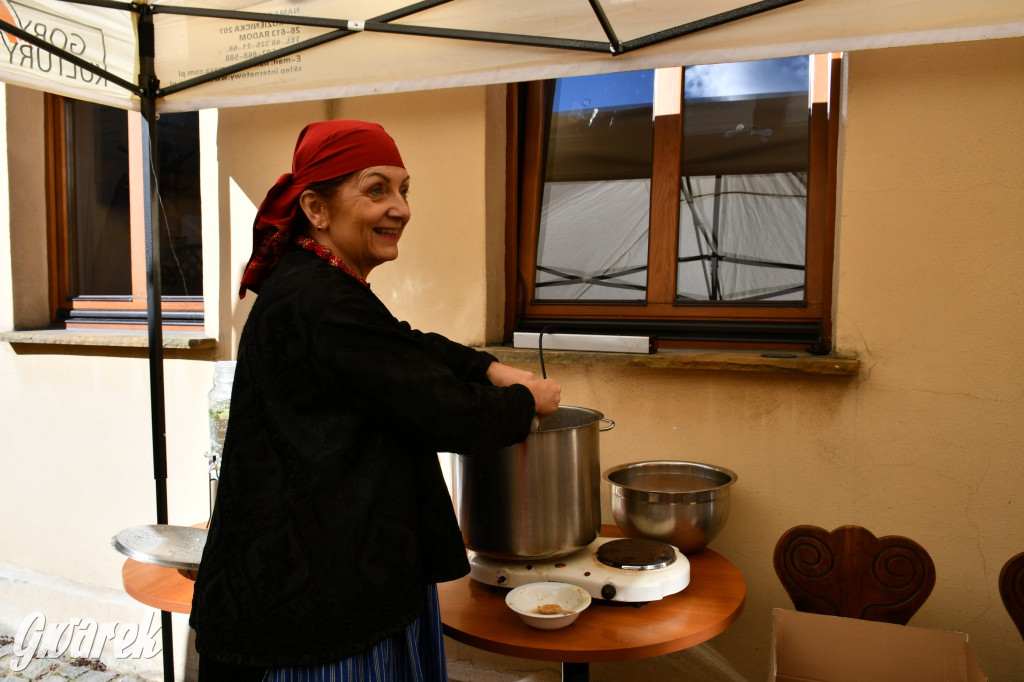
(325, 150)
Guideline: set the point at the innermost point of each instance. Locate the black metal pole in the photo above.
(340, 24)
(42, 44)
(151, 201)
(705, 23)
(575, 672)
(613, 40)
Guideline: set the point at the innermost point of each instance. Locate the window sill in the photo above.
(119, 338)
(701, 360)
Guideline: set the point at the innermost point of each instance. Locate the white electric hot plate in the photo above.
(614, 569)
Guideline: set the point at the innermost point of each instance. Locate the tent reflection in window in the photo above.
(742, 237)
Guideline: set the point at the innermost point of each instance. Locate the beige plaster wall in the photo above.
(254, 148)
(929, 296)
(927, 441)
(28, 247)
(439, 282)
(76, 451)
(77, 418)
(452, 142)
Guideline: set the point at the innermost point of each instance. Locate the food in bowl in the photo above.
(553, 610)
(548, 605)
(682, 503)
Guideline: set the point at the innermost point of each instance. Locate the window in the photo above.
(96, 216)
(692, 204)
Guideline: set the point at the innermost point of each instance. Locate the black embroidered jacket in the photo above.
(332, 512)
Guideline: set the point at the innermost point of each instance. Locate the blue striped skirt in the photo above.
(414, 655)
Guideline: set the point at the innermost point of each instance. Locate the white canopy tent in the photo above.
(289, 50)
(193, 54)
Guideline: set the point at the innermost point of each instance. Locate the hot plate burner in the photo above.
(636, 554)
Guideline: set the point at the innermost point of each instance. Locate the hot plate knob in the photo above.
(608, 591)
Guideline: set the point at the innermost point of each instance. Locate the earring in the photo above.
(319, 228)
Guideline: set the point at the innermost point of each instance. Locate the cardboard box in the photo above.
(807, 647)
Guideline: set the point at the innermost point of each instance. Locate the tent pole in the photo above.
(149, 84)
(705, 23)
(156, 372)
(151, 203)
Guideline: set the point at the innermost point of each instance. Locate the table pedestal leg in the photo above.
(575, 672)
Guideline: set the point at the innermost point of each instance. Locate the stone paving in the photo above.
(57, 669)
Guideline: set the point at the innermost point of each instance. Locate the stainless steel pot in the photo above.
(539, 499)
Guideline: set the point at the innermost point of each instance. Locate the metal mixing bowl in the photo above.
(682, 503)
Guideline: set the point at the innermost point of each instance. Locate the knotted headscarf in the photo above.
(325, 150)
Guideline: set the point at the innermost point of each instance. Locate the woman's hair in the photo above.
(325, 189)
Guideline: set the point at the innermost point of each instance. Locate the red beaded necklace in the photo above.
(320, 250)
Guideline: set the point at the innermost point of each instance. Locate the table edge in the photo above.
(132, 567)
(600, 655)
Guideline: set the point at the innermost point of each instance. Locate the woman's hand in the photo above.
(546, 393)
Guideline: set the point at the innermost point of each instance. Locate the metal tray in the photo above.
(173, 546)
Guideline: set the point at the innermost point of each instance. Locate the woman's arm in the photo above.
(467, 363)
(546, 393)
(506, 375)
(416, 382)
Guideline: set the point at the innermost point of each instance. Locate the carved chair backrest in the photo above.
(1011, 589)
(851, 573)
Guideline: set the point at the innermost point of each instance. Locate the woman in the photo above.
(333, 522)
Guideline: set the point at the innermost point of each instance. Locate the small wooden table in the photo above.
(476, 614)
(161, 587)
(157, 586)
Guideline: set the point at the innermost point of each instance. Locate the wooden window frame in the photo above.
(736, 324)
(180, 313)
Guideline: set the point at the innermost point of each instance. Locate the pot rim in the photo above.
(626, 490)
(597, 417)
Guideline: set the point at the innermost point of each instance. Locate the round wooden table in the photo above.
(476, 614)
(167, 589)
(157, 586)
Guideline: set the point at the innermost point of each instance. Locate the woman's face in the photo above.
(365, 217)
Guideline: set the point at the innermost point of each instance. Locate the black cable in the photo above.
(540, 352)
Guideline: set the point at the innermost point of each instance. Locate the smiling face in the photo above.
(363, 218)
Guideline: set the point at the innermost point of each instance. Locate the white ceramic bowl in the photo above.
(533, 600)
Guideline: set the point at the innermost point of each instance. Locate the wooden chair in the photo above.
(1011, 589)
(851, 573)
